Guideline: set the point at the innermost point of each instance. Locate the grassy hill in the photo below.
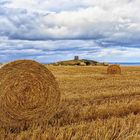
(81, 62)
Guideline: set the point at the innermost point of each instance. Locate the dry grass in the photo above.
(95, 106)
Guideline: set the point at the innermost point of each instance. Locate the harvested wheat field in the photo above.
(94, 106)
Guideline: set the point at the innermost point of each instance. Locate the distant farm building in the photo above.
(76, 57)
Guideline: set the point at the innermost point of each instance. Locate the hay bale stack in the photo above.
(114, 69)
(29, 94)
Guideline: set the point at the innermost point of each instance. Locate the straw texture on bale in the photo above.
(114, 69)
(29, 94)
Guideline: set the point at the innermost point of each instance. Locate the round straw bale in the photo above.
(29, 94)
(114, 69)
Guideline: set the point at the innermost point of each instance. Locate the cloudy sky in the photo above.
(53, 30)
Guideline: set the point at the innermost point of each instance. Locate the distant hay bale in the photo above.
(82, 64)
(105, 64)
(29, 94)
(114, 69)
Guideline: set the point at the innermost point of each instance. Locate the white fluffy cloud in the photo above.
(110, 19)
(107, 23)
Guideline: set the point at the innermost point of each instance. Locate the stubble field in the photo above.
(94, 106)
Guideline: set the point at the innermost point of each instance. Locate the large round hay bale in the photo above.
(114, 69)
(29, 94)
